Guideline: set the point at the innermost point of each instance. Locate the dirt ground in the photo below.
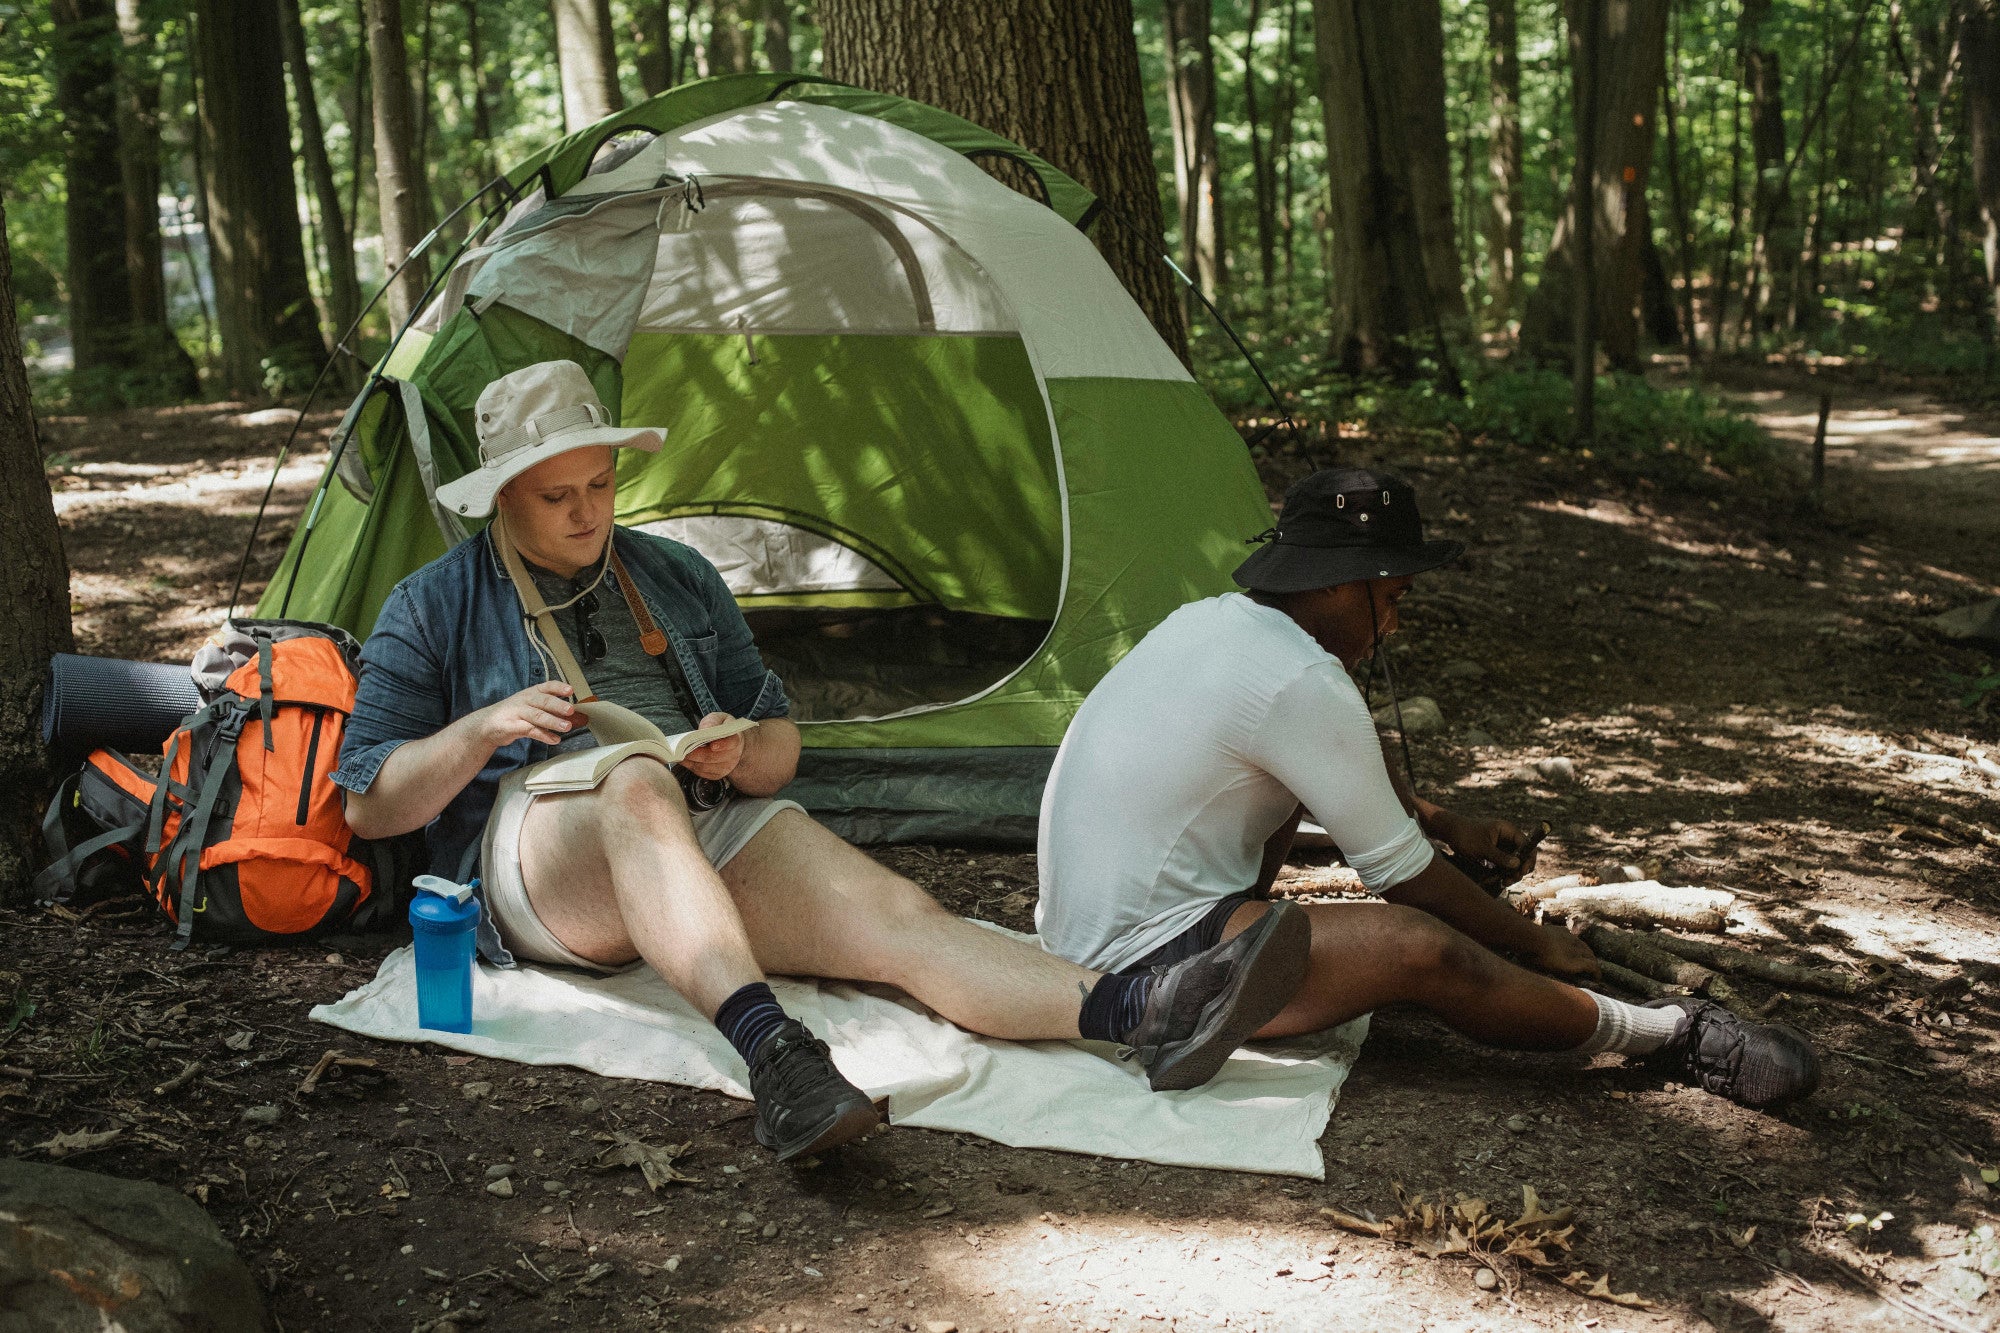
(1736, 684)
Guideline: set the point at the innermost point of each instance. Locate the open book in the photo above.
(622, 733)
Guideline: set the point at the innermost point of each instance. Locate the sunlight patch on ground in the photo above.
(188, 487)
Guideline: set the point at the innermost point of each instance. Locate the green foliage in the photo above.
(1977, 690)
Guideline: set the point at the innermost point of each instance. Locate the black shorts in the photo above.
(1202, 936)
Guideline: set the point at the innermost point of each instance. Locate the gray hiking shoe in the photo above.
(1202, 1008)
(1758, 1065)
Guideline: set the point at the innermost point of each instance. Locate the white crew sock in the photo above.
(1629, 1029)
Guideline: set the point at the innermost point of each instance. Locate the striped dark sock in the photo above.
(748, 1016)
(1114, 1006)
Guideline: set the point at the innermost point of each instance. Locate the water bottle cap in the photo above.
(443, 888)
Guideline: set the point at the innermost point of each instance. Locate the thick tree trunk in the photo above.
(343, 287)
(100, 297)
(270, 332)
(1670, 93)
(1981, 47)
(1631, 55)
(653, 40)
(778, 35)
(1773, 239)
(169, 368)
(1058, 77)
(1505, 216)
(1263, 174)
(588, 58)
(1197, 165)
(34, 587)
(482, 94)
(397, 186)
(1394, 273)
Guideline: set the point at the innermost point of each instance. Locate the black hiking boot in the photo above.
(1758, 1065)
(804, 1105)
(1202, 1008)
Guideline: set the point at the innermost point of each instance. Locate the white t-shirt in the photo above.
(1183, 762)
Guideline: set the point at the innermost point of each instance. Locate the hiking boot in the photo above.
(1758, 1065)
(1202, 1008)
(804, 1105)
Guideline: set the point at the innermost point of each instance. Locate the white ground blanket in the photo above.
(1264, 1112)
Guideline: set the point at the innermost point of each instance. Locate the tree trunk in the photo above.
(100, 297)
(1190, 57)
(343, 287)
(778, 35)
(154, 346)
(1395, 273)
(1773, 240)
(1061, 79)
(1670, 93)
(1631, 55)
(396, 183)
(728, 43)
(482, 94)
(34, 587)
(1263, 173)
(1657, 315)
(1586, 28)
(588, 59)
(270, 331)
(1505, 215)
(653, 40)
(1981, 46)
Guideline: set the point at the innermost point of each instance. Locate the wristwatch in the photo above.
(702, 793)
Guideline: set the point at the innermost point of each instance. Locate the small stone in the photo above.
(1486, 1279)
(940, 1326)
(1420, 714)
(551, 1187)
(589, 1105)
(770, 1230)
(1463, 669)
(672, 1264)
(335, 959)
(253, 1142)
(500, 1171)
(1518, 1123)
(472, 1092)
(261, 1115)
(1556, 770)
(1616, 873)
(730, 1170)
(503, 1188)
(746, 1219)
(409, 1249)
(1478, 736)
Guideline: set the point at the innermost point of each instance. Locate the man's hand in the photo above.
(1494, 841)
(541, 712)
(1560, 953)
(717, 759)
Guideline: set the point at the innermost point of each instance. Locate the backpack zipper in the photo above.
(312, 758)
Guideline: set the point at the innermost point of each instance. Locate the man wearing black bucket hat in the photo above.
(1177, 790)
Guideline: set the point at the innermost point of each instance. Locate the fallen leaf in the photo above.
(239, 1040)
(655, 1162)
(79, 1140)
(1600, 1290)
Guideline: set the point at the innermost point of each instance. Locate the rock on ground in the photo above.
(83, 1252)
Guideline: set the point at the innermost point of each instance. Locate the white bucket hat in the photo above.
(532, 415)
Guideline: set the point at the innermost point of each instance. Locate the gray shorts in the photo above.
(723, 831)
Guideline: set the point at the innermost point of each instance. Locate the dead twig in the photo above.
(1636, 983)
(180, 1080)
(333, 1060)
(1937, 819)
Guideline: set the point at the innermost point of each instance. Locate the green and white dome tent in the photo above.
(941, 456)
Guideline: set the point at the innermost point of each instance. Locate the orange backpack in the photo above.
(244, 832)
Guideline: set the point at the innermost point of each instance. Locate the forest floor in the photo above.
(1731, 679)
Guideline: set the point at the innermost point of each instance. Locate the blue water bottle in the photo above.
(442, 917)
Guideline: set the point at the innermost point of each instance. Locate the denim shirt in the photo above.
(451, 640)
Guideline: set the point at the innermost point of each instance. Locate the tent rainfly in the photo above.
(939, 454)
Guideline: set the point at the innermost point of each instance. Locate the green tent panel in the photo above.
(946, 465)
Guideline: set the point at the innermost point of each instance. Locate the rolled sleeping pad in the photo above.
(93, 701)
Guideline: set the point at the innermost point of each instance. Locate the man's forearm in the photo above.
(770, 758)
(418, 781)
(1448, 895)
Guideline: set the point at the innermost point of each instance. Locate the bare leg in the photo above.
(617, 873)
(814, 906)
(1365, 955)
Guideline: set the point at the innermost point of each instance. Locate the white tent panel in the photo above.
(1075, 317)
(763, 556)
(758, 262)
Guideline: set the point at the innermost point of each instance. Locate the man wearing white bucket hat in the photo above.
(470, 689)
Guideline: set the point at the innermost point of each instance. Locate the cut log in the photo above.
(1639, 953)
(1647, 903)
(1790, 975)
(1636, 983)
(1951, 824)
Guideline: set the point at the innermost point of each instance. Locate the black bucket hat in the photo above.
(1342, 524)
